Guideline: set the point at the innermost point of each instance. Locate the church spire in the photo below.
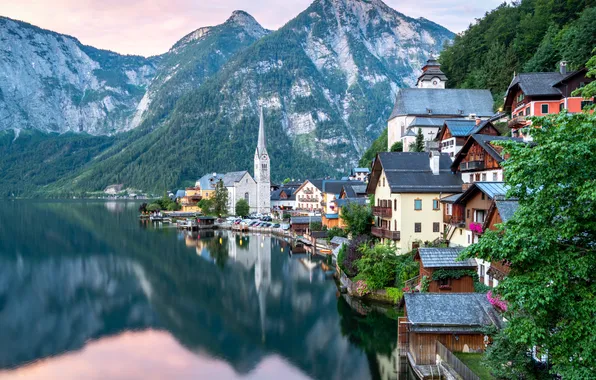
(261, 145)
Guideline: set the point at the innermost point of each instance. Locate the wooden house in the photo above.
(456, 320)
(300, 225)
(454, 132)
(500, 212)
(480, 158)
(437, 261)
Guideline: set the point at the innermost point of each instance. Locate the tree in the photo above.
(220, 199)
(357, 218)
(550, 243)
(418, 145)
(206, 206)
(589, 90)
(242, 208)
(398, 146)
(286, 181)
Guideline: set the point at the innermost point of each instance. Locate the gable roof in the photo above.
(537, 84)
(409, 172)
(335, 186)
(485, 142)
(452, 198)
(305, 219)
(229, 179)
(491, 189)
(443, 258)
(447, 102)
(506, 208)
(463, 127)
(209, 181)
(450, 312)
(344, 201)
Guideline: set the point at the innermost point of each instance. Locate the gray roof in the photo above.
(452, 198)
(450, 312)
(180, 193)
(492, 189)
(290, 192)
(538, 84)
(208, 181)
(426, 122)
(344, 201)
(464, 127)
(231, 178)
(409, 172)
(339, 240)
(335, 186)
(359, 189)
(506, 209)
(305, 219)
(361, 170)
(448, 102)
(443, 258)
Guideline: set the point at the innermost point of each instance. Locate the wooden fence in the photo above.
(448, 357)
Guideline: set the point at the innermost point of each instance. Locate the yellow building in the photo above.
(191, 199)
(408, 188)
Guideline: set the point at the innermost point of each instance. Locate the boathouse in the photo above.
(301, 224)
(456, 320)
(445, 272)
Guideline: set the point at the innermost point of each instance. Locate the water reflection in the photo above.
(74, 274)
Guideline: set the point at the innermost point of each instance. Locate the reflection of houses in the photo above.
(456, 320)
(539, 94)
(428, 105)
(263, 278)
(438, 262)
(407, 189)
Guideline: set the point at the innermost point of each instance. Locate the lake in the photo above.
(87, 291)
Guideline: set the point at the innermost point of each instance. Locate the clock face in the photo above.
(264, 157)
(435, 82)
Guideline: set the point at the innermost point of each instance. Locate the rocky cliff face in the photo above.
(53, 83)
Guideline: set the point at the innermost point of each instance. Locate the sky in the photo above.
(151, 27)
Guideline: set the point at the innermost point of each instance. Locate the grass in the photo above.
(472, 360)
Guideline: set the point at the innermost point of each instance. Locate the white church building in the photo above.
(429, 104)
(241, 185)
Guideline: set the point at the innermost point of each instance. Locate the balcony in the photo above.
(457, 221)
(517, 122)
(308, 191)
(383, 233)
(307, 200)
(383, 212)
(471, 165)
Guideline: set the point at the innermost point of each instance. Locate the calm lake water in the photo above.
(89, 292)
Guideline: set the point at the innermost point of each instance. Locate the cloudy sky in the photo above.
(149, 27)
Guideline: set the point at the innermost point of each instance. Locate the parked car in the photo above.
(276, 225)
(266, 219)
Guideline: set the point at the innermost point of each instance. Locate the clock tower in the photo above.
(262, 170)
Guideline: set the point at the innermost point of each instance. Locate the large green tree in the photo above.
(357, 218)
(242, 208)
(220, 199)
(418, 145)
(550, 243)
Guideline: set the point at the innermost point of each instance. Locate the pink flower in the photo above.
(496, 301)
(476, 228)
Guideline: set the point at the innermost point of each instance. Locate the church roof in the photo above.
(261, 143)
(229, 179)
(208, 181)
(444, 102)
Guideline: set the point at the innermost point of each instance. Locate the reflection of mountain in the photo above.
(73, 271)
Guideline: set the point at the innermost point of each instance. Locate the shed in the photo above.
(445, 260)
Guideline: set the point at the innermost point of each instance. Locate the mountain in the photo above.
(52, 83)
(192, 60)
(326, 80)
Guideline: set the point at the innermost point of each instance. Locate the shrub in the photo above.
(352, 255)
(406, 269)
(242, 207)
(424, 284)
(395, 294)
(335, 231)
(341, 256)
(153, 207)
(377, 265)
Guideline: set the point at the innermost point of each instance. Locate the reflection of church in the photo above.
(255, 250)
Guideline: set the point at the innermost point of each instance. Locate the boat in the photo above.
(326, 251)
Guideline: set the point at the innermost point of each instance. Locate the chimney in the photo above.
(478, 121)
(563, 67)
(434, 161)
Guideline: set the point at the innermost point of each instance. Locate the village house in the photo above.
(310, 195)
(439, 262)
(480, 158)
(430, 103)
(283, 198)
(360, 174)
(207, 183)
(300, 225)
(457, 321)
(465, 218)
(407, 189)
(539, 94)
(332, 190)
(454, 133)
(190, 200)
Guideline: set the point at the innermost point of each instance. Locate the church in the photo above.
(429, 104)
(241, 185)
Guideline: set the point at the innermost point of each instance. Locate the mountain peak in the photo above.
(245, 21)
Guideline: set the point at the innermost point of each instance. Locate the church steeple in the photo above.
(261, 144)
(432, 76)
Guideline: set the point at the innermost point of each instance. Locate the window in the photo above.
(247, 197)
(477, 177)
(395, 225)
(418, 204)
(383, 181)
(468, 213)
(417, 227)
(479, 216)
(471, 178)
(436, 227)
(481, 267)
(528, 111)
(395, 205)
(436, 204)
(444, 282)
(483, 196)
(469, 242)
(484, 177)
(544, 109)
(561, 106)
(449, 207)
(264, 166)
(586, 103)
(495, 177)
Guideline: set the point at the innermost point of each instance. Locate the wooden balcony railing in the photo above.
(384, 233)
(517, 122)
(383, 212)
(471, 165)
